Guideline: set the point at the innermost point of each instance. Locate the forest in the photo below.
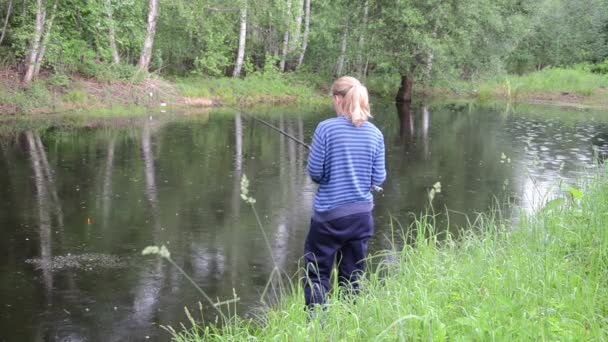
(428, 42)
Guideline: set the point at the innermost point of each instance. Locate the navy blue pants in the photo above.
(343, 240)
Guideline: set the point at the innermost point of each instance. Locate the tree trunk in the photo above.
(360, 63)
(295, 40)
(305, 37)
(30, 61)
(111, 33)
(146, 53)
(340, 64)
(8, 15)
(406, 122)
(430, 57)
(404, 94)
(45, 39)
(242, 40)
(285, 38)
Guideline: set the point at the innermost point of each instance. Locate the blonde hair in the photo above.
(355, 101)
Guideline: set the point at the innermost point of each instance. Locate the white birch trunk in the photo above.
(45, 39)
(285, 38)
(306, 31)
(360, 66)
(8, 15)
(242, 41)
(295, 40)
(430, 57)
(146, 52)
(111, 33)
(340, 64)
(30, 61)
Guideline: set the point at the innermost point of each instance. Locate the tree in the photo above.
(306, 32)
(38, 44)
(342, 56)
(146, 52)
(112, 33)
(360, 63)
(45, 39)
(284, 50)
(242, 39)
(35, 42)
(9, 9)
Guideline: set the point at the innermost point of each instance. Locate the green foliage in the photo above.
(59, 80)
(436, 42)
(601, 68)
(38, 93)
(257, 88)
(75, 96)
(113, 72)
(561, 80)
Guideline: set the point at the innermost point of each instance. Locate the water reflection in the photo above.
(107, 182)
(43, 181)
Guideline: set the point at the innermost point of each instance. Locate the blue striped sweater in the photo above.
(346, 161)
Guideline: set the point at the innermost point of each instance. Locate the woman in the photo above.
(347, 161)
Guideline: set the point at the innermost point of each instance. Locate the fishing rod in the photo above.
(267, 124)
(275, 128)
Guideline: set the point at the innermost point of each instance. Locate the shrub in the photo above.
(601, 68)
(59, 80)
(75, 96)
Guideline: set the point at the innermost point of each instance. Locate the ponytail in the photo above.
(355, 100)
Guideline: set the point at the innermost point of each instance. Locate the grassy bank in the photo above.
(256, 89)
(118, 94)
(545, 278)
(576, 86)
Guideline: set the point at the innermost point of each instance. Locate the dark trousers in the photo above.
(344, 240)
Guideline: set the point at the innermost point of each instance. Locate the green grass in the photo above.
(543, 279)
(550, 81)
(561, 80)
(257, 88)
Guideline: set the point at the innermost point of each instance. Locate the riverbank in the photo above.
(116, 97)
(578, 88)
(543, 278)
(133, 93)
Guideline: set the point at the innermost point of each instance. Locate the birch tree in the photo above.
(146, 52)
(45, 39)
(30, 62)
(297, 32)
(360, 62)
(285, 38)
(242, 40)
(306, 32)
(9, 9)
(111, 33)
(342, 57)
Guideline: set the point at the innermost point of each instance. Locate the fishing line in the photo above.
(267, 124)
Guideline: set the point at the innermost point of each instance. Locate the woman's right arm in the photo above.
(378, 167)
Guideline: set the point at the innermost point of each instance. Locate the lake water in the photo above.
(78, 206)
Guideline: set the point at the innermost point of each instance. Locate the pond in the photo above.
(77, 206)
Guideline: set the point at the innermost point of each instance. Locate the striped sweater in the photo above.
(346, 161)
